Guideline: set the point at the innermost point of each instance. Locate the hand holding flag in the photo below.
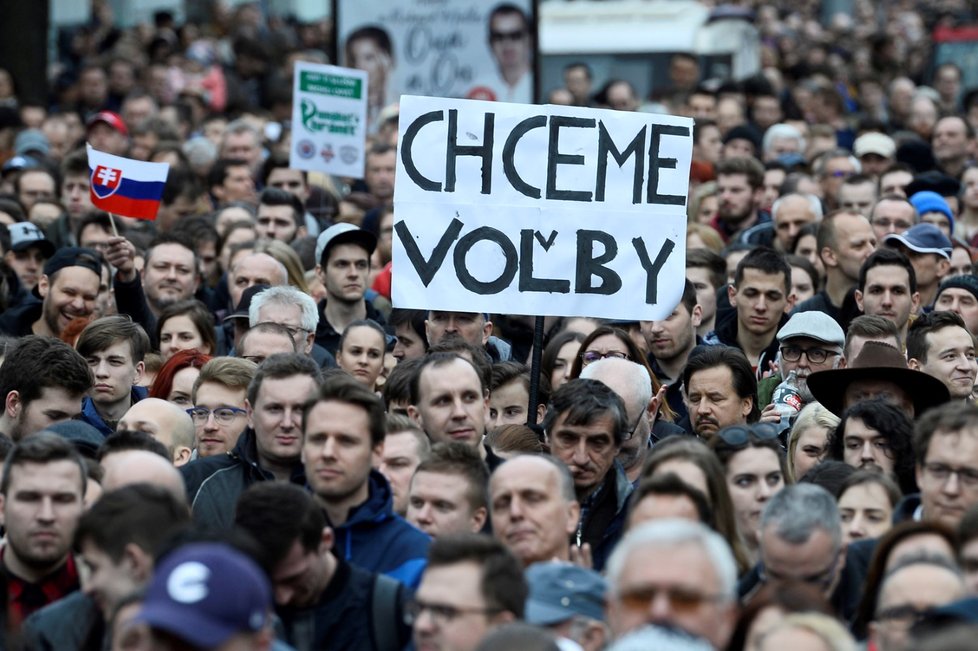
(124, 186)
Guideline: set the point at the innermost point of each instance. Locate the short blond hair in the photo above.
(232, 372)
(826, 628)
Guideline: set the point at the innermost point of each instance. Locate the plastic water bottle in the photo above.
(787, 400)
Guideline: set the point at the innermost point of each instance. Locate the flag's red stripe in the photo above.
(126, 207)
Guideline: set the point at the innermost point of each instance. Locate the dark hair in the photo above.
(805, 265)
(695, 451)
(803, 232)
(42, 448)
(861, 477)
(163, 383)
(671, 485)
(744, 382)
(36, 363)
(829, 474)
(126, 439)
(926, 324)
(75, 164)
(109, 330)
(276, 515)
(748, 166)
(582, 402)
(199, 315)
(711, 261)
(397, 388)
(951, 417)
(768, 262)
(866, 611)
(275, 162)
(504, 373)
(177, 238)
(788, 596)
(503, 586)
(436, 359)
(413, 318)
(516, 438)
(893, 424)
(725, 452)
(462, 460)
(579, 64)
(142, 514)
(363, 323)
(278, 197)
(509, 8)
(887, 257)
(100, 219)
(374, 33)
(552, 349)
(870, 326)
(219, 170)
(477, 355)
(343, 388)
(281, 366)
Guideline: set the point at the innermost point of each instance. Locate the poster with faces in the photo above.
(470, 49)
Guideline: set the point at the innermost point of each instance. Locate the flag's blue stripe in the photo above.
(135, 189)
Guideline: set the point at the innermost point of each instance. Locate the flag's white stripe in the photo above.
(135, 170)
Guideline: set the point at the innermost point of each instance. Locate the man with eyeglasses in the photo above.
(673, 573)
(585, 427)
(892, 214)
(801, 540)
(218, 397)
(912, 587)
(264, 340)
(946, 448)
(269, 449)
(324, 601)
(511, 44)
(809, 342)
(633, 385)
(296, 311)
(472, 584)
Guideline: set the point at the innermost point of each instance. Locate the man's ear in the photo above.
(415, 414)
(250, 413)
(43, 285)
(828, 257)
(486, 331)
(859, 300)
(479, 519)
(140, 369)
(138, 562)
(181, 456)
(913, 363)
(732, 295)
(697, 315)
(327, 539)
(12, 405)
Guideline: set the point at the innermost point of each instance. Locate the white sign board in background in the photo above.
(539, 210)
(329, 120)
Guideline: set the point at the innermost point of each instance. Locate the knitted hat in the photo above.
(966, 282)
(928, 201)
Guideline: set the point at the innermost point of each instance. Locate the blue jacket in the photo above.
(91, 416)
(377, 540)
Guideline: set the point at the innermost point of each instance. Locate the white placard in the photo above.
(329, 119)
(539, 210)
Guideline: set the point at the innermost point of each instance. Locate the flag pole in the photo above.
(115, 231)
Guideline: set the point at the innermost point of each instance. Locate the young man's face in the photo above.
(451, 405)
(71, 294)
(887, 294)
(109, 581)
(27, 264)
(760, 299)
(41, 509)
(114, 373)
(276, 223)
(213, 436)
(337, 451)
(345, 273)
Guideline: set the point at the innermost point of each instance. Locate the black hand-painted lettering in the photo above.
(555, 158)
(483, 151)
(545, 243)
(656, 163)
(527, 282)
(588, 265)
(427, 268)
(652, 268)
(407, 151)
(509, 155)
(472, 283)
(607, 146)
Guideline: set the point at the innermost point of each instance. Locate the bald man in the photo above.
(141, 467)
(164, 421)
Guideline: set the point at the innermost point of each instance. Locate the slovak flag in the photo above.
(127, 187)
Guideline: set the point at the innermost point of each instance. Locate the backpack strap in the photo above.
(383, 613)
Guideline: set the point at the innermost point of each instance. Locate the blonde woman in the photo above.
(809, 439)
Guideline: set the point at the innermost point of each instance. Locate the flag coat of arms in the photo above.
(127, 187)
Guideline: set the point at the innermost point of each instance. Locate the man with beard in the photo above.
(68, 289)
(809, 342)
(888, 288)
(42, 381)
(720, 390)
(41, 497)
(170, 274)
(740, 189)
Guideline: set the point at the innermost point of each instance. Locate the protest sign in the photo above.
(545, 210)
(329, 119)
(463, 48)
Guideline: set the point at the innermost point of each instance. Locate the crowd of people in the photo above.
(219, 433)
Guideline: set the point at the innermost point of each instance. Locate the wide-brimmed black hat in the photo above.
(877, 361)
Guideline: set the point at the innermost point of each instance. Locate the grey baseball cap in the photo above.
(558, 591)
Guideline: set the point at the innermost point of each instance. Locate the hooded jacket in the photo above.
(377, 540)
(726, 334)
(215, 483)
(18, 321)
(90, 415)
